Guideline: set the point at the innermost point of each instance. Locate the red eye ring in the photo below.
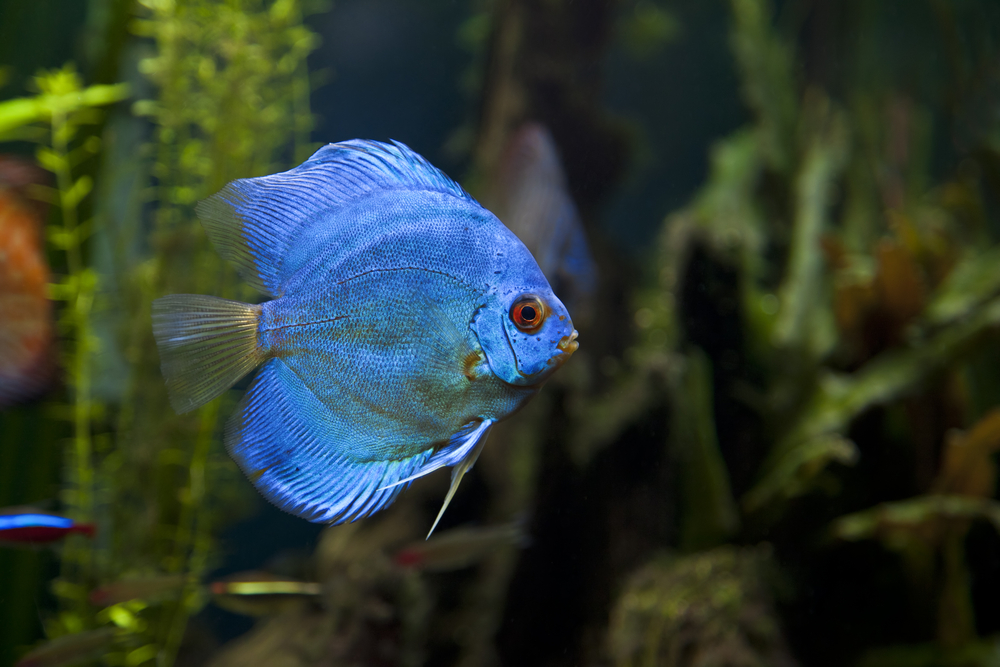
(528, 313)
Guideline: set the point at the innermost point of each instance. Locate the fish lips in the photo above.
(533, 354)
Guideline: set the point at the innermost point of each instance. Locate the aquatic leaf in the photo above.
(967, 466)
(49, 159)
(80, 189)
(43, 193)
(805, 317)
(839, 398)
(23, 111)
(123, 617)
(68, 590)
(141, 655)
(709, 512)
(918, 518)
(971, 282)
(796, 472)
(766, 64)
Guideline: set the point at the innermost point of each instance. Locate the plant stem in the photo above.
(80, 297)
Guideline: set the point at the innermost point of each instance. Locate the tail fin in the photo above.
(88, 529)
(206, 345)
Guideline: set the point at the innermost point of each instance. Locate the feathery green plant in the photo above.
(232, 101)
(63, 104)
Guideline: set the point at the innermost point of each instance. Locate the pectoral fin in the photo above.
(461, 452)
(475, 441)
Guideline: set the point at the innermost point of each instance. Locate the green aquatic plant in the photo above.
(62, 98)
(372, 610)
(856, 284)
(58, 118)
(64, 95)
(703, 610)
(929, 529)
(231, 99)
(62, 106)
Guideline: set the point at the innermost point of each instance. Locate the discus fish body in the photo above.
(405, 321)
(27, 526)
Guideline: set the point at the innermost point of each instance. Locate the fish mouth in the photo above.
(567, 346)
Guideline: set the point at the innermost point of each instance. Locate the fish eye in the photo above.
(528, 313)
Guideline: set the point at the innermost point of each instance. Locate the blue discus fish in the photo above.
(405, 321)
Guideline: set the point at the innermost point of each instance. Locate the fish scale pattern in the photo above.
(254, 222)
(386, 352)
(396, 230)
(385, 346)
(304, 474)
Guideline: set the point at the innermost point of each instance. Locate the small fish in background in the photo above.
(26, 324)
(261, 593)
(532, 198)
(69, 650)
(137, 588)
(28, 526)
(405, 321)
(460, 547)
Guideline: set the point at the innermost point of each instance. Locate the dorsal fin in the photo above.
(253, 222)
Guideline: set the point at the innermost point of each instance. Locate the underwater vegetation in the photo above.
(859, 292)
(776, 444)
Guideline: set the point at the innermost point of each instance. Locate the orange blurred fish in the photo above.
(26, 329)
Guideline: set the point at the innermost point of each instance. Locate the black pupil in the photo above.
(528, 313)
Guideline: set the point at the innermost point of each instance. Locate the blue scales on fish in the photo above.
(404, 321)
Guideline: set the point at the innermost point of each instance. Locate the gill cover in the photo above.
(524, 355)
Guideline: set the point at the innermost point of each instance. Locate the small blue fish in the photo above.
(406, 320)
(24, 525)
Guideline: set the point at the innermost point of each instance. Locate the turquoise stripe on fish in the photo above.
(31, 520)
